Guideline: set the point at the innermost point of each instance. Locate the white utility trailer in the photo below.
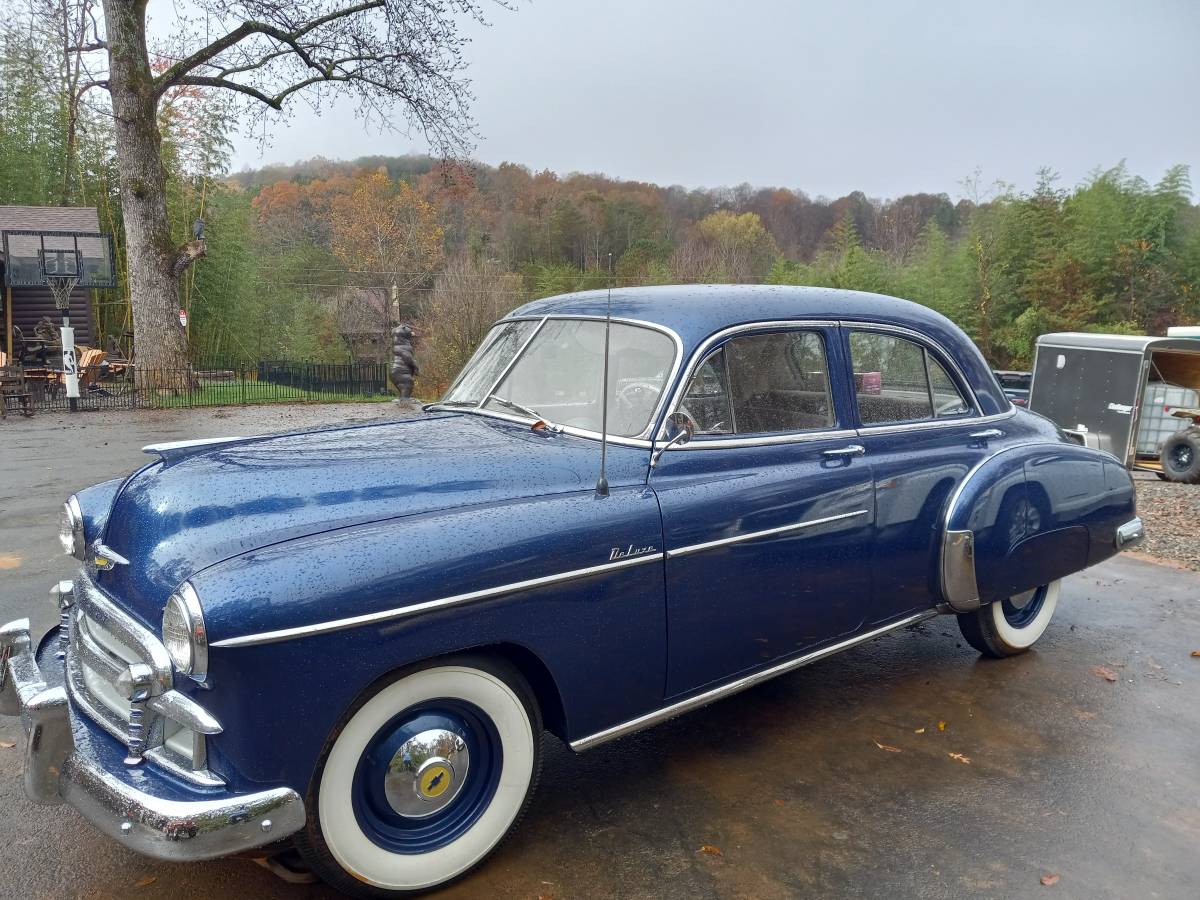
(1136, 397)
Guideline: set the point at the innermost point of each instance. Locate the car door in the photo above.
(768, 510)
(918, 422)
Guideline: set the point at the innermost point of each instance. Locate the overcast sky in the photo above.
(827, 97)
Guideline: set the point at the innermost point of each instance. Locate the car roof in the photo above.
(696, 311)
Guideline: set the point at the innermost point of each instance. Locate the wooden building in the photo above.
(23, 306)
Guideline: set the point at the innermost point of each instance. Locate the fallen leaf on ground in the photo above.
(10, 561)
(1051, 879)
(779, 803)
(147, 881)
(919, 731)
(960, 758)
(1196, 653)
(1084, 714)
(711, 850)
(888, 747)
(7, 745)
(1104, 672)
(941, 726)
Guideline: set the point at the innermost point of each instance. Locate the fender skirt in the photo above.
(1029, 515)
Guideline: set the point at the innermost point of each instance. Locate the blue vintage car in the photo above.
(350, 641)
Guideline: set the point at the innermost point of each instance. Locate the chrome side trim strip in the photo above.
(741, 684)
(284, 634)
(766, 532)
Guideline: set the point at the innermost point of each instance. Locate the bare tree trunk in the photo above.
(154, 271)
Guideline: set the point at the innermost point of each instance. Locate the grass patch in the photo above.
(255, 393)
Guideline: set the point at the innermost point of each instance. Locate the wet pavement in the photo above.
(836, 780)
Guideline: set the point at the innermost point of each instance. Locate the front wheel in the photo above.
(424, 778)
(1012, 625)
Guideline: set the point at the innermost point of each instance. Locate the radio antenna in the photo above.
(602, 481)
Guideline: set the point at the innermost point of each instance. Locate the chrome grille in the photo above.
(102, 643)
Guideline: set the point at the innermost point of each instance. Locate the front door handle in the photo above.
(844, 452)
(987, 434)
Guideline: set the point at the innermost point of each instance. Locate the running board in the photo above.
(741, 684)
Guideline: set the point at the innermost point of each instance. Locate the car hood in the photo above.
(181, 514)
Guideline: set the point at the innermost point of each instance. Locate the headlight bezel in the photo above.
(184, 607)
(70, 529)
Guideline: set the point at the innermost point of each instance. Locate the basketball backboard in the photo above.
(31, 256)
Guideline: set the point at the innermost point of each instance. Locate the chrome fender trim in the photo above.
(959, 587)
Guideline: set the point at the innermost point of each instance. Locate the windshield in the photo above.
(559, 373)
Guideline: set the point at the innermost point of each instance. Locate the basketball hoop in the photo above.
(60, 268)
(61, 287)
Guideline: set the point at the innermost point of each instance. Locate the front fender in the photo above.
(1028, 515)
(398, 592)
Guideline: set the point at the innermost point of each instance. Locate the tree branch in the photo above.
(213, 82)
(88, 48)
(186, 256)
(175, 74)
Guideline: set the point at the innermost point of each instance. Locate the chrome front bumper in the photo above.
(63, 762)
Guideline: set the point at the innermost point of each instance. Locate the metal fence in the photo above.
(212, 383)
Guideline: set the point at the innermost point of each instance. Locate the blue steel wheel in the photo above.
(1011, 625)
(424, 778)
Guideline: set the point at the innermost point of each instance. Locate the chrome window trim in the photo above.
(741, 684)
(701, 353)
(766, 532)
(640, 439)
(798, 437)
(937, 423)
(412, 609)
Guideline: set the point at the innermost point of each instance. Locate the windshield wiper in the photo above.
(513, 405)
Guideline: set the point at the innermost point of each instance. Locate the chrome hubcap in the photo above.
(426, 773)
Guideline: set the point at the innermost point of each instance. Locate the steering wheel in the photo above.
(627, 395)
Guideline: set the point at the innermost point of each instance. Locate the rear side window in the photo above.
(896, 380)
(761, 384)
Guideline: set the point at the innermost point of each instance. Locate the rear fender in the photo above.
(1028, 515)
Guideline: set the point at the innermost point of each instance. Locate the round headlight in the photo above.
(70, 529)
(183, 633)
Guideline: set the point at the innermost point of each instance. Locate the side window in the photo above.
(707, 397)
(895, 380)
(762, 384)
(947, 401)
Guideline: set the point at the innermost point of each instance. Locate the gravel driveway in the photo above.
(1172, 516)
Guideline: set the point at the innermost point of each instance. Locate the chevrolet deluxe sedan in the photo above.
(349, 641)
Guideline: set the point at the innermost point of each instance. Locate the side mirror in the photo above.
(680, 429)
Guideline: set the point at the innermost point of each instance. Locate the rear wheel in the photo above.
(424, 778)
(1012, 625)
(1181, 457)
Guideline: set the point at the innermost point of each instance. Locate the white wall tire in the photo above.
(344, 844)
(1001, 629)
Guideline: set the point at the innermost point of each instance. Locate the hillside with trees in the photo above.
(317, 260)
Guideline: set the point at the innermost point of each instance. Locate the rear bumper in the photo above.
(67, 759)
(1130, 533)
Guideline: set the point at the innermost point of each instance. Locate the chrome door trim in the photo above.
(741, 684)
(412, 609)
(766, 532)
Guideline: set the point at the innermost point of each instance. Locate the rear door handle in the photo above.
(986, 435)
(844, 452)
